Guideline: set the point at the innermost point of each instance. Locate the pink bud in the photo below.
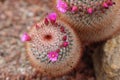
(25, 37)
(46, 21)
(90, 10)
(105, 5)
(64, 38)
(65, 44)
(58, 50)
(37, 26)
(110, 3)
(74, 9)
(53, 56)
(62, 29)
(52, 17)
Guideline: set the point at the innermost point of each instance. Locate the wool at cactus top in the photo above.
(54, 47)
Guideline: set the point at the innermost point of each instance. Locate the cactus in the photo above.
(95, 20)
(54, 48)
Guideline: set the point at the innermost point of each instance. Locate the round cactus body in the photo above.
(95, 20)
(54, 48)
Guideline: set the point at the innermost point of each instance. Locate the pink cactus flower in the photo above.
(62, 6)
(53, 56)
(25, 37)
(90, 10)
(52, 17)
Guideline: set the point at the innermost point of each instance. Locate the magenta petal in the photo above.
(62, 6)
(53, 59)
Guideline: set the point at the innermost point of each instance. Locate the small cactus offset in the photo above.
(94, 19)
(54, 48)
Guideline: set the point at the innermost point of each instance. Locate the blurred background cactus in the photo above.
(95, 20)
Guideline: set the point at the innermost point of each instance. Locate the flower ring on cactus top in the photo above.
(94, 20)
(54, 45)
(87, 6)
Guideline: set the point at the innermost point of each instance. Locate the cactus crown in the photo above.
(52, 40)
(54, 45)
